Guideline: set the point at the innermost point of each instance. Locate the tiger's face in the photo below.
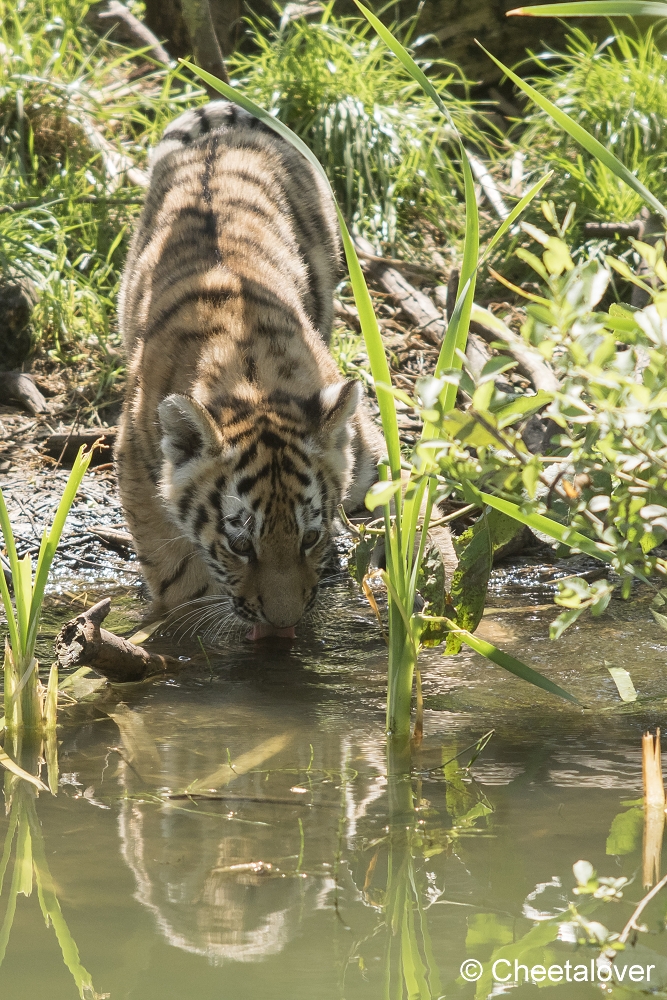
(256, 491)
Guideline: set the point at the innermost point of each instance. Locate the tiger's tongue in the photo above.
(262, 631)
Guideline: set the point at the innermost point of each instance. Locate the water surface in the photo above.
(232, 833)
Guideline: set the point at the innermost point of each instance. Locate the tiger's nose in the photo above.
(283, 605)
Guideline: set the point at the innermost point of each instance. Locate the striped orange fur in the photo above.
(238, 438)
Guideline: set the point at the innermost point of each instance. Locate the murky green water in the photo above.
(309, 873)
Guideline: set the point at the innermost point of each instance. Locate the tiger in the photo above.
(239, 437)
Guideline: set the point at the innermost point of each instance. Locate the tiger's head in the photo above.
(255, 488)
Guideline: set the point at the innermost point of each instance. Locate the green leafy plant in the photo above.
(28, 706)
(616, 92)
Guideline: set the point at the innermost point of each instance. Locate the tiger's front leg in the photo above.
(175, 573)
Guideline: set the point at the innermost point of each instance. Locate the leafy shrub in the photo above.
(617, 91)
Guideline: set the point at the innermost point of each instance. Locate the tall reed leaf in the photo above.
(562, 533)
(595, 8)
(508, 662)
(580, 135)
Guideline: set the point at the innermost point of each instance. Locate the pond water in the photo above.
(233, 833)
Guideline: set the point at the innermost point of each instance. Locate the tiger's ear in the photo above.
(338, 403)
(188, 430)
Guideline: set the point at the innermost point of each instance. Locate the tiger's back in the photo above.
(238, 438)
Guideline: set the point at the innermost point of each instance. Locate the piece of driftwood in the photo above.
(83, 643)
(17, 387)
(416, 305)
(65, 446)
(116, 21)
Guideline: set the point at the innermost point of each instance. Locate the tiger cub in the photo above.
(238, 438)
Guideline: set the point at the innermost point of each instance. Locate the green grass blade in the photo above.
(48, 550)
(9, 611)
(508, 662)
(373, 340)
(457, 331)
(456, 338)
(8, 534)
(515, 213)
(554, 529)
(23, 597)
(580, 135)
(375, 349)
(10, 545)
(404, 57)
(9, 840)
(595, 8)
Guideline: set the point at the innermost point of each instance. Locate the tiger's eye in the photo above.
(241, 545)
(310, 538)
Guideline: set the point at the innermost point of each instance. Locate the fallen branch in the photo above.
(83, 643)
(401, 265)
(65, 446)
(488, 186)
(417, 306)
(530, 361)
(17, 387)
(117, 165)
(114, 20)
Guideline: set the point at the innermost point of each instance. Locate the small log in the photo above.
(65, 447)
(417, 306)
(83, 643)
(119, 541)
(17, 387)
(116, 21)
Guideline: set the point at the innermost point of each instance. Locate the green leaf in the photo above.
(50, 543)
(494, 366)
(522, 407)
(509, 663)
(595, 8)
(475, 548)
(554, 529)
(660, 619)
(564, 620)
(623, 682)
(381, 493)
(515, 213)
(454, 343)
(11, 765)
(625, 832)
(580, 135)
(530, 475)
